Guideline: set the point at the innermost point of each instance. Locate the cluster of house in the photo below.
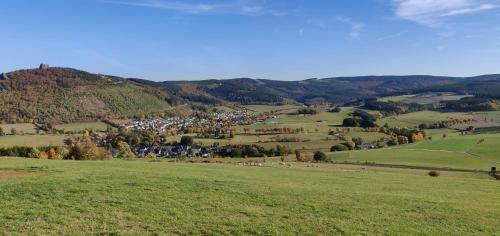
(218, 119)
(175, 151)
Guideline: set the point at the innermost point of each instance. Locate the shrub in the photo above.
(307, 111)
(300, 156)
(124, 150)
(338, 148)
(320, 156)
(33, 153)
(88, 151)
(434, 173)
(43, 155)
(187, 141)
(151, 155)
(236, 152)
(423, 126)
(336, 109)
(350, 145)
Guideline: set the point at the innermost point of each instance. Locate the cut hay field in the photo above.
(137, 198)
(32, 140)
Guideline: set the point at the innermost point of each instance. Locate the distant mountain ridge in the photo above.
(66, 94)
(335, 89)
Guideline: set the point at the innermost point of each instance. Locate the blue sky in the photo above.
(271, 39)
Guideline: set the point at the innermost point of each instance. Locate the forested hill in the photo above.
(336, 90)
(64, 94)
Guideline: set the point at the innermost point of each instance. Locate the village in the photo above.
(213, 120)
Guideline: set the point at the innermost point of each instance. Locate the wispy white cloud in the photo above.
(226, 7)
(433, 12)
(356, 27)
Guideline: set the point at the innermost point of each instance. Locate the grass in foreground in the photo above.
(134, 197)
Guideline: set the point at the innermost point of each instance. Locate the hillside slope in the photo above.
(63, 94)
(336, 90)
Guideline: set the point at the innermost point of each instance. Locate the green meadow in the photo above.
(77, 127)
(472, 152)
(138, 197)
(416, 118)
(32, 140)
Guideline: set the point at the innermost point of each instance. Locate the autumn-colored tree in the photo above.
(300, 155)
(417, 137)
(124, 150)
(151, 155)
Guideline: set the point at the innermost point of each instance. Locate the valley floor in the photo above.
(140, 197)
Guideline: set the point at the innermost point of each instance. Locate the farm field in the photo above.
(32, 140)
(462, 152)
(203, 141)
(416, 118)
(26, 128)
(77, 127)
(136, 197)
(427, 98)
(268, 108)
(316, 128)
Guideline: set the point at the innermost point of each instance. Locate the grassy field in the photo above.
(424, 98)
(268, 108)
(26, 128)
(31, 140)
(416, 118)
(135, 197)
(76, 127)
(202, 141)
(463, 152)
(316, 129)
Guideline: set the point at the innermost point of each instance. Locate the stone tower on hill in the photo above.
(43, 66)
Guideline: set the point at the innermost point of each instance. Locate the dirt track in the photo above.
(13, 174)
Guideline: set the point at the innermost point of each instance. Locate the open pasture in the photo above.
(26, 128)
(322, 121)
(77, 127)
(136, 197)
(416, 118)
(32, 140)
(456, 151)
(426, 98)
(316, 131)
(270, 108)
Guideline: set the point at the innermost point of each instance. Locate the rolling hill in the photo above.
(336, 90)
(64, 94)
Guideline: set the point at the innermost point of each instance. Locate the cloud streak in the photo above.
(356, 27)
(433, 12)
(227, 7)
